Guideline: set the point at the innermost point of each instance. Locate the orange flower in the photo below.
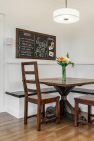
(61, 58)
(64, 61)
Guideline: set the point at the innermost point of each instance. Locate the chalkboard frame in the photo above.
(18, 55)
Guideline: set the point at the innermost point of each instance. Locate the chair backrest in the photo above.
(34, 79)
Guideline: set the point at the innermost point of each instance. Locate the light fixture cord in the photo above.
(66, 3)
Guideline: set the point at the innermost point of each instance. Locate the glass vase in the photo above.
(64, 73)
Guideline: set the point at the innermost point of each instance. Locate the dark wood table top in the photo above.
(69, 82)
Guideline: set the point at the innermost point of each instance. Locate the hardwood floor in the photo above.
(12, 129)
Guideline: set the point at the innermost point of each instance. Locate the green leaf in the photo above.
(67, 55)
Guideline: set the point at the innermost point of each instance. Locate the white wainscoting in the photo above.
(13, 82)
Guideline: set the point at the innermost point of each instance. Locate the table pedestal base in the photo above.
(65, 107)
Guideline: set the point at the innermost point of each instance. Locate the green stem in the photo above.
(64, 73)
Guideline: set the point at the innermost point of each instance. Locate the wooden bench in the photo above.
(83, 91)
(16, 99)
(20, 94)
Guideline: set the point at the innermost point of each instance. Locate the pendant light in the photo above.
(66, 15)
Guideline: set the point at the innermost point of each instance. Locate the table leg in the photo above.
(66, 107)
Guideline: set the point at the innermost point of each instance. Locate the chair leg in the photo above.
(89, 113)
(76, 114)
(25, 110)
(57, 111)
(39, 117)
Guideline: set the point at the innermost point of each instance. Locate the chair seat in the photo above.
(86, 99)
(47, 98)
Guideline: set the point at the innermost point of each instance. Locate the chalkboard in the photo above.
(34, 45)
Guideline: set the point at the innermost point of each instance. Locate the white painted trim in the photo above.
(41, 62)
(84, 63)
(44, 62)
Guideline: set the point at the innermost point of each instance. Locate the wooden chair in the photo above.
(39, 99)
(87, 100)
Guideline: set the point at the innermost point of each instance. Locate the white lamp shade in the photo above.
(66, 15)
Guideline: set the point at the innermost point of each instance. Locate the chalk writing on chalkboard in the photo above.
(35, 45)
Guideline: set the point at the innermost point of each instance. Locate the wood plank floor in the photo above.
(12, 129)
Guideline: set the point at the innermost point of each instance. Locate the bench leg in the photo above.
(76, 122)
(89, 113)
(43, 110)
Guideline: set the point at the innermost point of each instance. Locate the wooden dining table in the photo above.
(64, 88)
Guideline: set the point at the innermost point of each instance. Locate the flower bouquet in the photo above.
(64, 62)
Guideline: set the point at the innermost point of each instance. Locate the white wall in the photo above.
(36, 15)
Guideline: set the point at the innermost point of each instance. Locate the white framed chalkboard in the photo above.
(34, 45)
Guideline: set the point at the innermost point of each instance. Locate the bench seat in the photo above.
(16, 104)
(20, 94)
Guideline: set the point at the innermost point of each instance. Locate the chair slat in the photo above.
(31, 81)
(29, 72)
(28, 63)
